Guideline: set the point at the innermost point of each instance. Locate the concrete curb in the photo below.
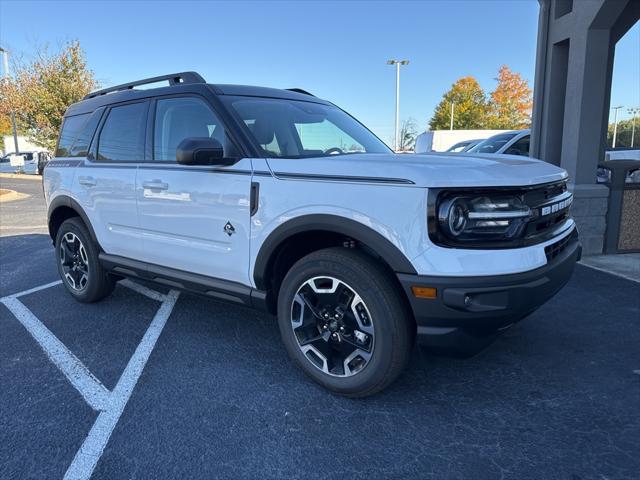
(21, 176)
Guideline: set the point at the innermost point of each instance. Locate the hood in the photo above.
(425, 170)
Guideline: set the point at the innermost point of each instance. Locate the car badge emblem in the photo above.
(229, 229)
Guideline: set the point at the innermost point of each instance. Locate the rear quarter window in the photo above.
(71, 129)
(76, 134)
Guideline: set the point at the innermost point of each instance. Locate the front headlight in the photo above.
(482, 217)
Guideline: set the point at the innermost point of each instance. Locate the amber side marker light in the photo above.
(424, 292)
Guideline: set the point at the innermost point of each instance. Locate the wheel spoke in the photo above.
(68, 254)
(309, 305)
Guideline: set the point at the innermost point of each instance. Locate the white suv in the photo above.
(279, 200)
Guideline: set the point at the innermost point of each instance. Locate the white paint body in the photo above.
(182, 226)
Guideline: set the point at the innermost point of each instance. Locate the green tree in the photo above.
(624, 133)
(470, 107)
(510, 103)
(42, 89)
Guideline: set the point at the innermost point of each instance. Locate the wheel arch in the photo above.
(60, 209)
(333, 226)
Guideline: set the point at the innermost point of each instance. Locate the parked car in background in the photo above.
(515, 142)
(24, 162)
(464, 146)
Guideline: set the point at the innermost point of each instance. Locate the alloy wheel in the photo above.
(333, 326)
(74, 261)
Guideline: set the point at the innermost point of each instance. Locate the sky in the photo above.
(334, 49)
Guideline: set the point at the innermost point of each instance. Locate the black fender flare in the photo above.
(332, 223)
(67, 201)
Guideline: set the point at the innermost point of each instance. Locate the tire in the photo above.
(87, 282)
(385, 332)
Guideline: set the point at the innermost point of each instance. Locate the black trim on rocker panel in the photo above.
(192, 282)
(332, 223)
(65, 201)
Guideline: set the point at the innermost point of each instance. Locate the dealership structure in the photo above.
(574, 66)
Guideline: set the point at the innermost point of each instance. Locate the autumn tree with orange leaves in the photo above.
(510, 103)
(508, 107)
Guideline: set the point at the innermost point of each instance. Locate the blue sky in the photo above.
(337, 50)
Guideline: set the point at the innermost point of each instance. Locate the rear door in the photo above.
(193, 218)
(105, 183)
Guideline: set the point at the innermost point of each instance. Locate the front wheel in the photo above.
(344, 323)
(78, 263)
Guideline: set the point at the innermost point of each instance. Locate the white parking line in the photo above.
(141, 289)
(35, 289)
(109, 404)
(91, 450)
(91, 389)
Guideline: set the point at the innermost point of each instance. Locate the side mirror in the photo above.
(202, 151)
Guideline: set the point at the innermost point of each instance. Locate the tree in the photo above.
(42, 89)
(408, 133)
(470, 107)
(624, 132)
(510, 103)
(5, 129)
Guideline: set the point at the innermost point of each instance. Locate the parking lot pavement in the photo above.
(557, 396)
(23, 216)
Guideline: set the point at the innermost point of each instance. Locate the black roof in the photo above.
(181, 82)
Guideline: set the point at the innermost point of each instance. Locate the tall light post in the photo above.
(451, 116)
(615, 125)
(5, 75)
(633, 112)
(397, 63)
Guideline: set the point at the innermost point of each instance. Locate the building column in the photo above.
(572, 93)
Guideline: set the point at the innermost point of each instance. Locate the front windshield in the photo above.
(492, 144)
(298, 129)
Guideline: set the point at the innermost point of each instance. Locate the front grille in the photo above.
(549, 206)
(555, 249)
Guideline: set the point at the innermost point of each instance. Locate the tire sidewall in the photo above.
(365, 287)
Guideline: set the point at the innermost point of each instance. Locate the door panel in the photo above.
(107, 194)
(183, 213)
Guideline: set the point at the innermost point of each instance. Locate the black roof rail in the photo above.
(172, 78)
(299, 90)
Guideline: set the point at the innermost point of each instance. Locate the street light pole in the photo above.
(451, 119)
(5, 75)
(397, 63)
(615, 125)
(633, 112)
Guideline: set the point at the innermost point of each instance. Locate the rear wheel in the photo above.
(78, 263)
(344, 323)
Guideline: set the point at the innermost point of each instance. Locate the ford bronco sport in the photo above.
(279, 200)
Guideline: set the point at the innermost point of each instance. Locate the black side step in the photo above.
(192, 282)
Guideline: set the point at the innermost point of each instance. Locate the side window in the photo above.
(71, 128)
(520, 147)
(122, 136)
(81, 144)
(179, 118)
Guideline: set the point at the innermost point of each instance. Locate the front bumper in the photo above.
(487, 304)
